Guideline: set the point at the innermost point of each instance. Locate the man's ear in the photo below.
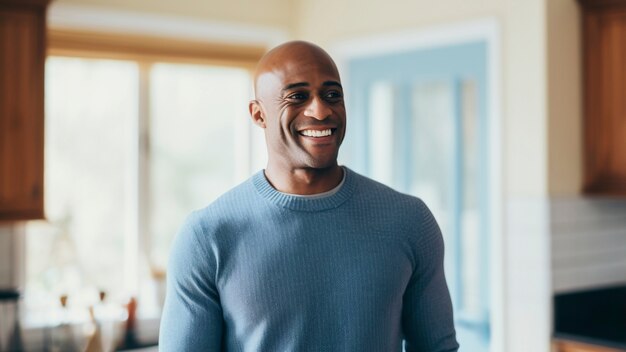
(256, 113)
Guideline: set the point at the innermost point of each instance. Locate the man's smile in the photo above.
(317, 133)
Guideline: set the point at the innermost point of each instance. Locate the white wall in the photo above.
(326, 22)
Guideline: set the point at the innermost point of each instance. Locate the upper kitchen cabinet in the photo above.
(604, 43)
(22, 60)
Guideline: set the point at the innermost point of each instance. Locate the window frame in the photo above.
(146, 51)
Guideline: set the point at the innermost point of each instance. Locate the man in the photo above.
(307, 255)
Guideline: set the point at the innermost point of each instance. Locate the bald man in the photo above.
(307, 255)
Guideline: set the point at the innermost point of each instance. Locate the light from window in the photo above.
(131, 148)
(90, 105)
(194, 134)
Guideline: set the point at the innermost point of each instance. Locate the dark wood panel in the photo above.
(605, 100)
(590, 4)
(22, 44)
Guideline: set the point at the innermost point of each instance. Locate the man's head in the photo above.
(299, 103)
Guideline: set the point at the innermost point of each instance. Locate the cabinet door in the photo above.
(22, 58)
(605, 106)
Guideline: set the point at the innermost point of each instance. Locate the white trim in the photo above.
(62, 16)
(487, 30)
(498, 256)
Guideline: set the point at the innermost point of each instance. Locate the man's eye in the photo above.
(297, 96)
(334, 95)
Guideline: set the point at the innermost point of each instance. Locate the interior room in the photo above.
(120, 117)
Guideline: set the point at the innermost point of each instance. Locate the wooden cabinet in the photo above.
(604, 50)
(22, 59)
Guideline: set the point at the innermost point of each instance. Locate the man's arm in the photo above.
(427, 319)
(192, 314)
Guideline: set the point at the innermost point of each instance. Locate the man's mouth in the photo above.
(318, 133)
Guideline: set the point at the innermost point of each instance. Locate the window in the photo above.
(421, 126)
(198, 125)
(132, 146)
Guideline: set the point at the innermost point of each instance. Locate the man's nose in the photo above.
(317, 109)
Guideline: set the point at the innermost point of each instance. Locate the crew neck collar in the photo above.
(299, 203)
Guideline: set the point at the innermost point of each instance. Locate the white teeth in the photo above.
(316, 133)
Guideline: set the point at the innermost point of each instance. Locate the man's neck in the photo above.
(304, 181)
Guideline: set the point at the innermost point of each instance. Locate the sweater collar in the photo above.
(265, 189)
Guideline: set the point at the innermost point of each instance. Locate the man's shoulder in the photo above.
(233, 200)
(242, 193)
(228, 207)
(373, 190)
(383, 205)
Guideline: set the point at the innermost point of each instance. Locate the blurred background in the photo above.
(506, 117)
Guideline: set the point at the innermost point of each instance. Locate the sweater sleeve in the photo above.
(427, 318)
(192, 314)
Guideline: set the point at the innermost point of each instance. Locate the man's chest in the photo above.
(297, 270)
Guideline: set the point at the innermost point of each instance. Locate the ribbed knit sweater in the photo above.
(260, 270)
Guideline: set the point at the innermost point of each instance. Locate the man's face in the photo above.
(301, 102)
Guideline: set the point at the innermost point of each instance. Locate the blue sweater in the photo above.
(260, 270)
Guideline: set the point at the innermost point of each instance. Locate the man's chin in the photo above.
(322, 163)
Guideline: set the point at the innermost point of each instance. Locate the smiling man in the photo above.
(307, 255)
(299, 103)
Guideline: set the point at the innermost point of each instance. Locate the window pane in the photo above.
(90, 109)
(433, 161)
(381, 133)
(433, 149)
(199, 131)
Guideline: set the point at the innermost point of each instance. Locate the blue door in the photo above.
(417, 122)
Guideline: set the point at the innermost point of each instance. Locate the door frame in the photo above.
(429, 37)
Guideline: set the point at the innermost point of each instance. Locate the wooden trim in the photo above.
(602, 3)
(25, 3)
(65, 42)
